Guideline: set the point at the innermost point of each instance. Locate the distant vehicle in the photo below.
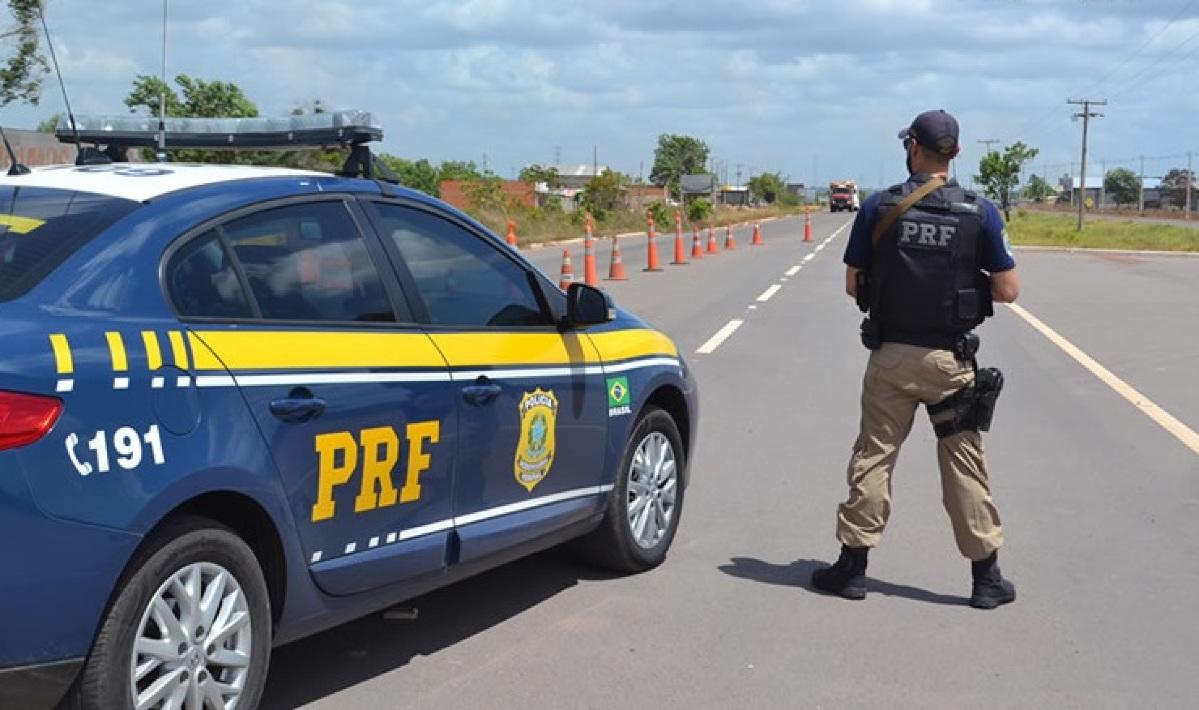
(843, 195)
(240, 405)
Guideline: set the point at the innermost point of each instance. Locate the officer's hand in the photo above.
(851, 281)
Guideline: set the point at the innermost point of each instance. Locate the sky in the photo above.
(812, 90)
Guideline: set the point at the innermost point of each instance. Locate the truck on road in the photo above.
(843, 195)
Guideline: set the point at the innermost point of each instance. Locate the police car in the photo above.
(241, 405)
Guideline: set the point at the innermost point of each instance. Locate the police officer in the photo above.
(925, 259)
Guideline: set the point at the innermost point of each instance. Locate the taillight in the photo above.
(25, 418)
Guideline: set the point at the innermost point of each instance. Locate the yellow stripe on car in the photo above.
(116, 348)
(178, 349)
(63, 362)
(153, 352)
(294, 350)
(619, 345)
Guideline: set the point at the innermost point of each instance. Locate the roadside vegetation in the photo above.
(1034, 228)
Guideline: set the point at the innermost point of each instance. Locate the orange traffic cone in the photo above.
(511, 233)
(713, 247)
(652, 262)
(590, 272)
(807, 226)
(697, 248)
(729, 244)
(757, 242)
(616, 269)
(568, 272)
(680, 254)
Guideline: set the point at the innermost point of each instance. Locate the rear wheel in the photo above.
(645, 505)
(190, 627)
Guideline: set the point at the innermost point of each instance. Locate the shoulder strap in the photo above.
(892, 215)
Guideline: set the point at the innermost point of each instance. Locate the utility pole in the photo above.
(594, 161)
(739, 174)
(557, 156)
(1190, 179)
(1086, 115)
(1103, 184)
(1141, 190)
(987, 142)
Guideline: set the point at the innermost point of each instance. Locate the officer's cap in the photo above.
(934, 130)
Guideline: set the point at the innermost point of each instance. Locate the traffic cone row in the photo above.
(616, 269)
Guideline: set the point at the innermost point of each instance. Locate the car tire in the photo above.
(208, 557)
(616, 544)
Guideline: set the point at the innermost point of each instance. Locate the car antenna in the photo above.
(85, 156)
(16, 168)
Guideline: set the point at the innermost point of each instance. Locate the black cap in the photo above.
(935, 130)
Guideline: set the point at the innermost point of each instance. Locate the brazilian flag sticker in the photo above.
(620, 398)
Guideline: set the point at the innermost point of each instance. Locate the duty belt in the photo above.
(937, 341)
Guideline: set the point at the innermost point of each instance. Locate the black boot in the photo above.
(990, 588)
(847, 576)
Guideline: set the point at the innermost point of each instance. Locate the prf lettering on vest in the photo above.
(378, 449)
(926, 235)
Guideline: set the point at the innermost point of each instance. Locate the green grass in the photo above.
(1033, 229)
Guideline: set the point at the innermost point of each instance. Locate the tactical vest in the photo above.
(927, 286)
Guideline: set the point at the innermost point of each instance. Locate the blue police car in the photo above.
(240, 405)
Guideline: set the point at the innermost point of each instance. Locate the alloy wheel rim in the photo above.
(193, 645)
(652, 490)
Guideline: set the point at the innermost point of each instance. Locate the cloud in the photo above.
(777, 84)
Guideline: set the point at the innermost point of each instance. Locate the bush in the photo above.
(699, 209)
(662, 213)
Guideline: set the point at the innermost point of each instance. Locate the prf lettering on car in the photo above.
(338, 460)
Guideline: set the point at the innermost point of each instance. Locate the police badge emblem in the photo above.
(535, 448)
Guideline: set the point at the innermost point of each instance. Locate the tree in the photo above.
(1123, 185)
(50, 124)
(768, 187)
(1174, 186)
(999, 174)
(675, 157)
(201, 99)
(602, 194)
(459, 170)
(536, 173)
(1038, 189)
(698, 209)
(21, 76)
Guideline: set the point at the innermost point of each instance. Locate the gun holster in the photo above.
(971, 408)
(872, 336)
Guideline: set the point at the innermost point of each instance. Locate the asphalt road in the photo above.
(1098, 501)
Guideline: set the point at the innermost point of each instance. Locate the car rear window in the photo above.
(41, 227)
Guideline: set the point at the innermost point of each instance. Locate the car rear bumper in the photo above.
(38, 686)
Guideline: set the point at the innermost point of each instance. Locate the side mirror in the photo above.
(587, 305)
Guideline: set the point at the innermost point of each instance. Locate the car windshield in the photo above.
(840, 190)
(41, 227)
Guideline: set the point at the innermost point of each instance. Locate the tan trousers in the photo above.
(898, 379)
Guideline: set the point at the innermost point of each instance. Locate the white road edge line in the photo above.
(794, 270)
(720, 336)
(1163, 418)
(769, 293)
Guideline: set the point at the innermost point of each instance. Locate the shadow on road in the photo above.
(799, 574)
(312, 668)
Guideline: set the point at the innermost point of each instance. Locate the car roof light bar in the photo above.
(322, 130)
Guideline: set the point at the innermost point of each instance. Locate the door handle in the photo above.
(298, 408)
(482, 392)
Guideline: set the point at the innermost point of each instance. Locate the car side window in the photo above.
(202, 282)
(462, 278)
(308, 262)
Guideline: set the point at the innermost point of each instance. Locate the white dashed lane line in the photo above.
(768, 293)
(721, 336)
(731, 327)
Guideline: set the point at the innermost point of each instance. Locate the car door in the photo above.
(531, 398)
(355, 406)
